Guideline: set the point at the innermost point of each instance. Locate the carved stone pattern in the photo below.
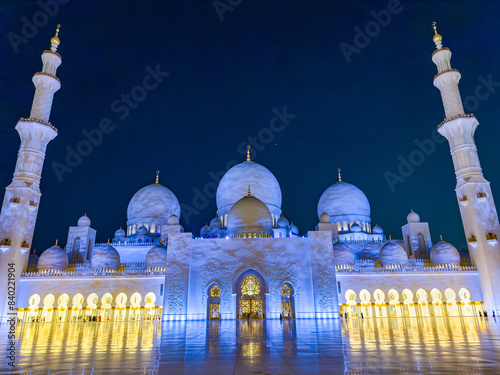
(175, 290)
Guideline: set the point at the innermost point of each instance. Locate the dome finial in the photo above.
(437, 38)
(157, 175)
(441, 238)
(340, 177)
(249, 192)
(108, 241)
(55, 40)
(390, 237)
(57, 241)
(248, 153)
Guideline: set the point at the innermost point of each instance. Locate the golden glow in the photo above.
(286, 301)
(55, 39)
(251, 301)
(214, 301)
(437, 37)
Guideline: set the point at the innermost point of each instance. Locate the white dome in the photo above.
(54, 258)
(344, 202)
(156, 257)
(235, 183)
(444, 253)
(215, 223)
(105, 257)
(294, 229)
(173, 220)
(343, 254)
(120, 233)
(84, 221)
(355, 228)
(378, 230)
(413, 217)
(283, 222)
(205, 229)
(152, 202)
(249, 214)
(392, 253)
(325, 218)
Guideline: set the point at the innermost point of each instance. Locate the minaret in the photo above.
(22, 196)
(477, 207)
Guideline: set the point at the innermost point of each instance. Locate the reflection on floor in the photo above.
(353, 346)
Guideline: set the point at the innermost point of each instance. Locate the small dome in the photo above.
(105, 257)
(355, 228)
(54, 258)
(215, 223)
(120, 233)
(84, 221)
(444, 253)
(413, 217)
(142, 230)
(173, 220)
(294, 229)
(344, 202)
(205, 229)
(325, 218)
(378, 230)
(283, 222)
(249, 214)
(156, 257)
(343, 254)
(392, 253)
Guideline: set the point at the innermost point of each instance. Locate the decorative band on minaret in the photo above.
(475, 199)
(22, 196)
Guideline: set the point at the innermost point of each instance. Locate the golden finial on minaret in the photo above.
(340, 177)
(437, 37)
(157, 174)
(55, 39)
(248, 153)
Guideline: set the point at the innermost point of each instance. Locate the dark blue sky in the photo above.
(225, 79)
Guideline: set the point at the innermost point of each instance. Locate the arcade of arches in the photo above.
(407, 304)
(90, 308)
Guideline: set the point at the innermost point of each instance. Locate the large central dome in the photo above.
(344, 202)
(154, 201)
(235, 182)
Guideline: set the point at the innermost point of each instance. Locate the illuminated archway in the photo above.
(451, 302)
(437, 302)
(408, 305)
(287, 308)
(135, 306)
(92, 301)
(62, 307)
(33, 309)
(106, 312)
(350, 297)
(422, 300)
(214, 302)
(120, 308)
(250, 303)
(77, 301)
(152, 312)
(380, 307)
(465, 302)
(366, 306)
(48, 308)
(394, 308)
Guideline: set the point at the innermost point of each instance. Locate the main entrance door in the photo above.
(251, 301)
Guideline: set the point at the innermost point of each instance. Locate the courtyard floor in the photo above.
(356, 346)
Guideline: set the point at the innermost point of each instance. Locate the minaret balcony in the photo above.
(24, 247)
(5, 244)
(472, 240)
(491, 238)
(481, 197)
(14, 202)
(463, 200)
(32, 205)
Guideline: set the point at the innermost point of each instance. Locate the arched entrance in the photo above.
(250, 303)
(287, 301)
(214, 303)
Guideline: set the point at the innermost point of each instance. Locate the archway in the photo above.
(287, 301)
(150, 307)
(62, 306)
(250, 303)
(422, 299)
(135, 306)
(77, 301)
(120, 308)
(465, 302)
(214, 302)
(366, 306)
(394, 308)
(106, 312)
(48, 308)
(436, 302)
(451, 302)
(92, 301)
(33, 311)
(408, 306)
(380, 307)
(350, 296)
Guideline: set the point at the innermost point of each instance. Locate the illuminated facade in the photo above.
(250, 262)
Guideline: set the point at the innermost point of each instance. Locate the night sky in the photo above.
(225, 78)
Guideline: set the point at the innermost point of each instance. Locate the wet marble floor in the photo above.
(355, 346)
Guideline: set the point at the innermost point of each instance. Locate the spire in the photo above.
(108, 241)
(157, 175)
(54, 41)
(390, 238)
(248, 153)
(57, 240)
(441, 238)
(340, 177)
(437, 38)
(249, 192)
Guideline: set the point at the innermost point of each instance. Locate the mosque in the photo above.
(249, 261)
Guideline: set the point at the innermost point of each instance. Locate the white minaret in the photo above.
(22, 196)
(477, 207)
